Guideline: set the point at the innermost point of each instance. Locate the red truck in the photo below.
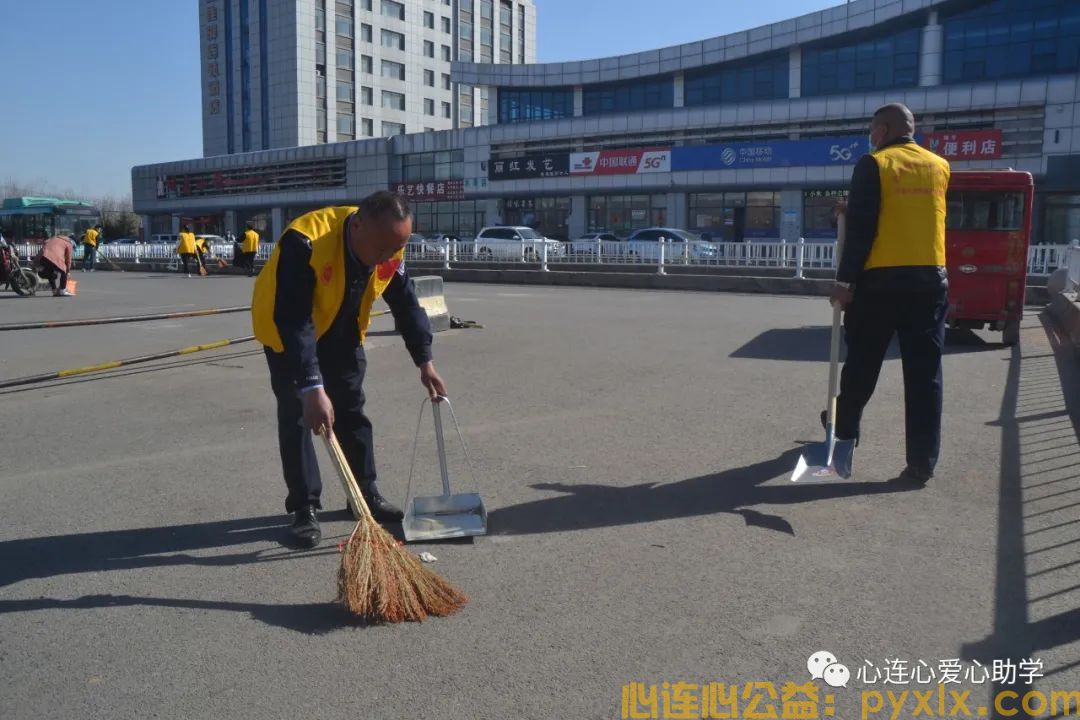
(987, 234)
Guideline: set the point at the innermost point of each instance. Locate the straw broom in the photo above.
(379, 579)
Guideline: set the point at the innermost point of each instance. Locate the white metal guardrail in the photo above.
(1072, 261)
(797, 256)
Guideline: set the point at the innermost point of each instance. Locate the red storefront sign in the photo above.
(621, 162)
(965, 144)
(431, 190)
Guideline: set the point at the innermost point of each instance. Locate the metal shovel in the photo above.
(450, 515)
(822, 462)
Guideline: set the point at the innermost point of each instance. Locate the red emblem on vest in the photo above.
(327, 273)
(386, 270)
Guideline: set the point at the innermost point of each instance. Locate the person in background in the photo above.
(892, 281)
(186, 249)
(54, 263)
(90, 241)
(250, 248)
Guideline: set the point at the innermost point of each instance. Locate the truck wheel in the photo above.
(1011, 334)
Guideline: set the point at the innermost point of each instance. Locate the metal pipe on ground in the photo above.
(122, 319)
(113, 364)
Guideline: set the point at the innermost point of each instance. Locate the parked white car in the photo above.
(589, 243)
(509, 242)
(680, 245)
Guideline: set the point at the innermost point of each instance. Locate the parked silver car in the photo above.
(513, 242)
(680, 245)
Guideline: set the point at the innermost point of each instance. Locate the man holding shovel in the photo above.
(891, 281)
(310, 309)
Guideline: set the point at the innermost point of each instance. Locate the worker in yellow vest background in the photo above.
(892, 281)
(310, 309)
(90, 240)
(250, 248)
(187, 249)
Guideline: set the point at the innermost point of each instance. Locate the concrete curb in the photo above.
(429, 289)
(1065, 309)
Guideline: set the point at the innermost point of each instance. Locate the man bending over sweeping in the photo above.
(311, 308)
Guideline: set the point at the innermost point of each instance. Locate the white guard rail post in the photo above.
(800, 256)
(660, 257)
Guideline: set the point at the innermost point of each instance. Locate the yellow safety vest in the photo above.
(251, 241)
(911, 221)
(326, 230)
(186, 244)
(91, 237)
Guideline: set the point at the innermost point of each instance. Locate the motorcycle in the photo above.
(23, 280)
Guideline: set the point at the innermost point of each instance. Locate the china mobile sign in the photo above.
(631, 161)
(844, 150)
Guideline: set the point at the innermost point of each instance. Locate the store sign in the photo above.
(633, 161)
(771, 153)
(431, 190)
(519, 204)
(212, 79)
(529, 166)
(964, 144)
(837, 194)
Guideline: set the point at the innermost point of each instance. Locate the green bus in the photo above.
(35, 219)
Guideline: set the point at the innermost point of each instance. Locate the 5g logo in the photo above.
(842, 153)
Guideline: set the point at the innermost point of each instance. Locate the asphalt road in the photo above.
(633, 450)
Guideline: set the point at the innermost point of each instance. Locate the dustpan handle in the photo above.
(440, 440)
(441, 445)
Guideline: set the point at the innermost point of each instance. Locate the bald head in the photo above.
(890, 122)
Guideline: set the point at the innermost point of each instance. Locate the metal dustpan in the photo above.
(832, 459)
(450, 515)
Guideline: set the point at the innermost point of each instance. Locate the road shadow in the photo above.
(734, 491)
(811, 344)
(1034, 381)
(306, 618)
(108, 551)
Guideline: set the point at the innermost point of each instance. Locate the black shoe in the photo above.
(381, 508)
(305, 530)
(914, 476)
(825, 424)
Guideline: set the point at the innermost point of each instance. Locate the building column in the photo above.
(933, 46)
(680, 90)
(493, 106)
(175, 224)
(277, 222)
(791, 211)
(579, 216)
(795, 72)
(492, 217)
(146, 224)
(579, 101)
(676, 209)
(230, 221)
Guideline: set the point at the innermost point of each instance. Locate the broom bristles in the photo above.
(380, 580)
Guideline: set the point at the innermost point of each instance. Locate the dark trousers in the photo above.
(249, 262)
(185, 258)
(918, 320)
(343, 377)
(51, 272)
(89, 256)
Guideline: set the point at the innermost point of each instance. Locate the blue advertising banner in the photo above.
(845, 150)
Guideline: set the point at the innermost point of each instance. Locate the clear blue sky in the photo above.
(92, 87)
